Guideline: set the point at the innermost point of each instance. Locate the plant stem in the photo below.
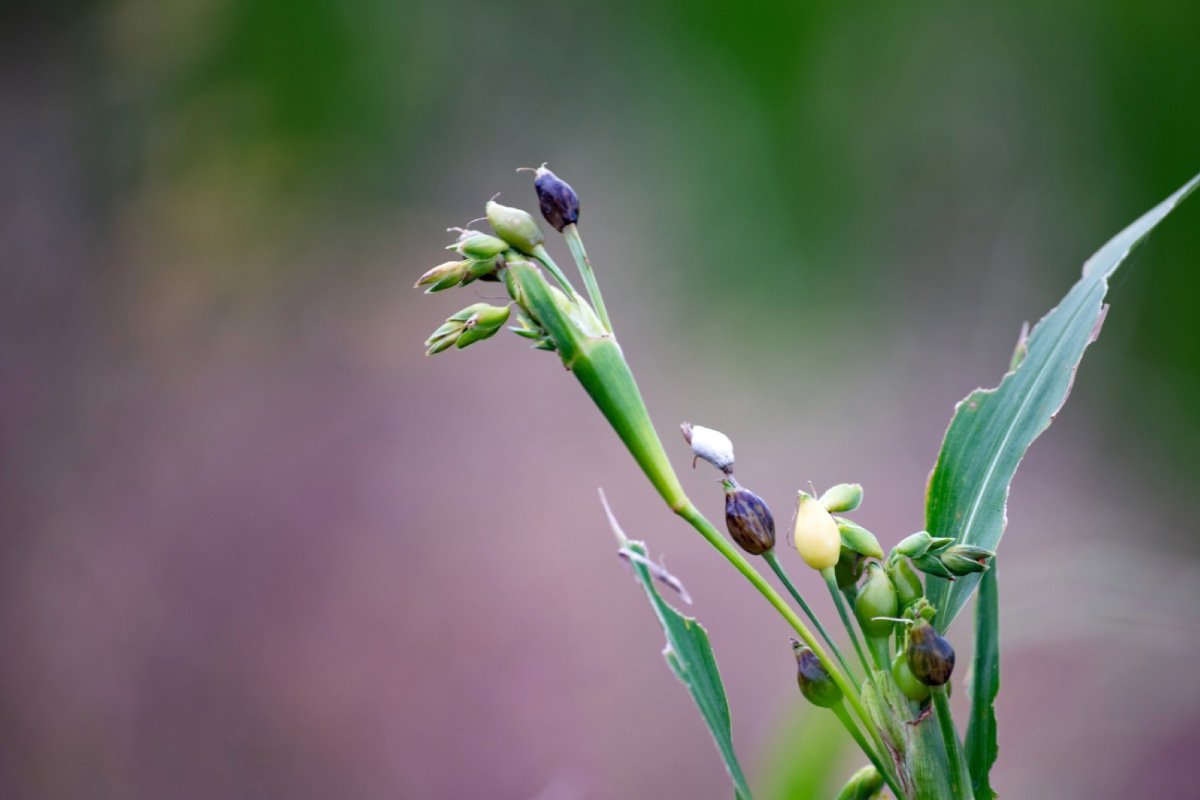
(959, 781)
(879, 651)
(847, 721)
(575, 245)
(541, 255)
(773, 560)
(831, 582)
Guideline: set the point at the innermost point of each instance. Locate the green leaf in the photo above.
(992, 428)
(688, 654)
(985, 685)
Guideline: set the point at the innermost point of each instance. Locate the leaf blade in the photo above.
(689, 655)
(981, 745)
(992, 428)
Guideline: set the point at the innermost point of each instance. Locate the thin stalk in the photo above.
(879, 651)
(959, 781)
(541, 255)
(840, 712)
(773, 560)
(575, 245)
(689, 512)
(831, 582)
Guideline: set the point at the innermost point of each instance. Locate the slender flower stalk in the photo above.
(575, 245)
(773, 561)
(834, 592)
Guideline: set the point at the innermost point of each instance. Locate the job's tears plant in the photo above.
(892, 696)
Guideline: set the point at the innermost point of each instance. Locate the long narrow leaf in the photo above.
(992, 428)
(690, 657)
(985, 685)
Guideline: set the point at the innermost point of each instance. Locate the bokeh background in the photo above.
(254, 545)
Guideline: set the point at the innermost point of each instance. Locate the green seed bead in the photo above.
(876, 598)
(515, 226)
(912, 688)
(906, 581)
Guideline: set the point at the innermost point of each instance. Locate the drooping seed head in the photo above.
(815, 533)
(710, 445)
(558, 201)
(929, 656)
(816, 684)
(749, 520)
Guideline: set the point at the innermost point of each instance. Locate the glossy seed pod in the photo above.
(876, 598)
(912, 688)
(815, 533)
(815, 682)
(749, 520)
(514, 226)
(907, 582)
(558, 201)
(930, 656)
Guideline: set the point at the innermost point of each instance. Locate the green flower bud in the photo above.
(748, 519)
(906, 581)
(914, 546)
(483, 246)
(473, 323)
(865, 784)
(912, 688)
(859, 539)
(815, 682)
(443, 276)
(843, 497)
(515, 226)
(930, 564)
(929, 656)
(815, 534)
(963, 559)
(558, 201)
(484, 269)
(849, 568)
(876, 598)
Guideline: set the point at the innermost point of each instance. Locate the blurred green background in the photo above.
(255, 545)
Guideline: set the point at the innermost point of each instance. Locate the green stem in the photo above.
(831, 582)
(879, 651)
(541, 255)
(773, 560)
(575, 245)
(840, 712)
(959, 781)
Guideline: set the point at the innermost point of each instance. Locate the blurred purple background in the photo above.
(254, 545)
